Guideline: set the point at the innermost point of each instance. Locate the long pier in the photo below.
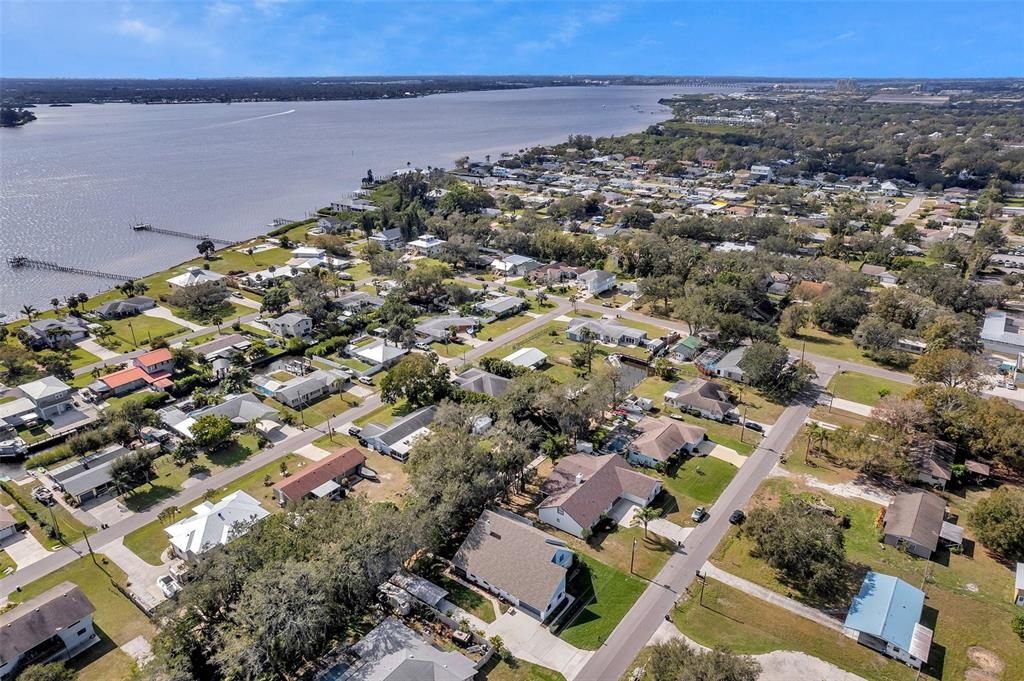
(19, 261)
(146, 227)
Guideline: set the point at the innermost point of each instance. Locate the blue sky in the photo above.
(196, 38)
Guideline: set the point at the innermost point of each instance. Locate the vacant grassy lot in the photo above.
(857, 387)
(318, 412)
(145, 328)
(745, 624)
(609, 595)
(81, 358)
(821, 343)
(500, 326)
(116, 619)
(698, 482)
(232, 260)
(517, 670)
(967, 599)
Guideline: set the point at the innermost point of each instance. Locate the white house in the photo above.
(378, 353)
(389, 239)
(54, 626)
(197, 275)
(605, 331)
(428, 244)
(505, 554)
(514, 265)
(596, 281)
(214, 524)
(292, 325)
(397, 438)
(302, 391)
(530, 358)
(582, 488)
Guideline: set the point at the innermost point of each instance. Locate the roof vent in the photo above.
(579, 478)
(494, 534)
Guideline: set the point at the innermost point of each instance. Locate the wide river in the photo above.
(72, 181)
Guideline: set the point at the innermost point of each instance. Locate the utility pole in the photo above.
(91, 554)
(743, 423)
(132, 329)
(702, 579)
(53, 519)
(632, 557)
(803, 348)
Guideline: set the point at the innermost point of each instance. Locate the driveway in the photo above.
(164, 313)
(852, 407)
(313, 453)
(141, 575)
(727, 454)
(107, 511)
(246, 302)
(95, 348)
(528, 640)
(24, 549)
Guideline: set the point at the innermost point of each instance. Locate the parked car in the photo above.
(43, 495)
(737, 517)
(366, 380)
(168, 586)
(236, 294)
(751, 425)
(425, 347)
(698, 514)
(354, 430)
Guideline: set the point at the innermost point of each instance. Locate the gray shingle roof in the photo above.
(37, 619)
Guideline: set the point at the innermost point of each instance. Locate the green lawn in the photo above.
(466, 598)
(116, 619)
(609, 595)
(744, 624)
(615, 548)
(352, 363)
(500, 326)
(360, 271)
(822, 343)
(384, 415)
(81, 358)
(517, 670)
(71, 529)
(318, 412)
(145, 327)
(232, 260)
(149, 541)
(698, 482)
(968, 592)
(857, 387)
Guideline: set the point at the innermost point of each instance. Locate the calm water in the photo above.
(72, 181)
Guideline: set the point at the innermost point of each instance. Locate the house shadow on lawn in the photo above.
(937, 653)
(104, 647)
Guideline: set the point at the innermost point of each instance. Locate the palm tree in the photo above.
(29, 311)
(816, 433)
(218, 321)
(127, 288)
(55, 303)
(141, 287)
(645, 515)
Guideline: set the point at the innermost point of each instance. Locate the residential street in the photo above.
(186, 498)
(612, 660)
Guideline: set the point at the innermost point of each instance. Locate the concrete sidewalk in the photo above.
(770, 596)
(851, 406)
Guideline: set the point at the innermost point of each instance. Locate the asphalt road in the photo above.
(614, 657)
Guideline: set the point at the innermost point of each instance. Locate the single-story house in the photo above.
(8, 525)
(358, 300)
(661, 439)
(554, 273)
(159, 362)
(51, 396)
(332, 225)
(1000, 334)
(379, 353)
(54, 626)
(701, 396)
(504, 306)
(933, 460)
(394, 652)
(301, 391)
(583, 488)
(479, 381)
(530, 358)
(291, 325)
(880, 273)
(686, 349)
(514, 265)
(886, 616)
(88, 477)
(596, 281)
(214, 524)
(397, 439)
(605, 331)
(729, 365)
(54, 333)
(225, 346)
(126, 307)
(197, 275)
(505, 554)
(325, 479)
(241, 409)
(127, 381)
(446, 327)
(914, 520)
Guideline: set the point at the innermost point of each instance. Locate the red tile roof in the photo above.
(124, 377)
(339, 463)
(154, 357)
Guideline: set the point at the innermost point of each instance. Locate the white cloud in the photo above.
(137, 28)
(223, 10)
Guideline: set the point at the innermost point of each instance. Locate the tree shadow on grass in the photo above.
(232, 455)
(150, 494)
